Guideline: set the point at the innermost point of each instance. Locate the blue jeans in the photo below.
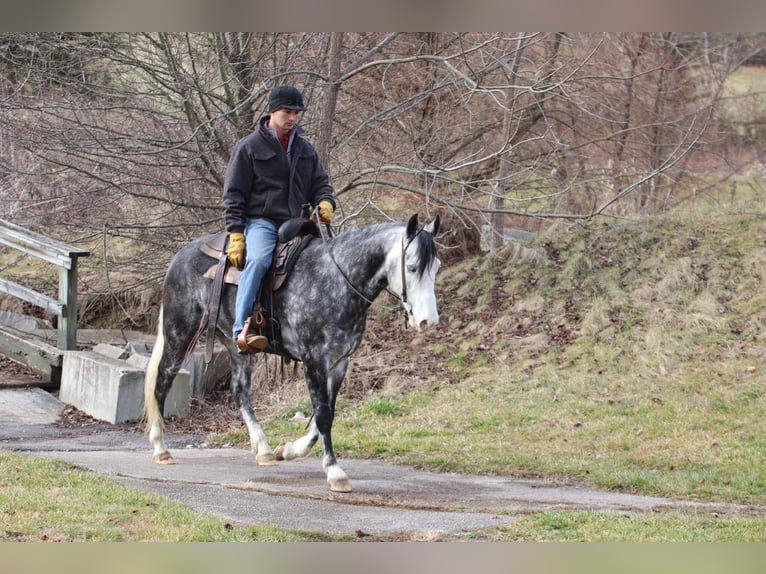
(261, 240)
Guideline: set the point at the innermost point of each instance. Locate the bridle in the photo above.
(403, 297)
(406, 306)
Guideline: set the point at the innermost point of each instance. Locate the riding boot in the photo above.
(250, 342)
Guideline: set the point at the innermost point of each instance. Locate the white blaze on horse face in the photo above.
(422, 297)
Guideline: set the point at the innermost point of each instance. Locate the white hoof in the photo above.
(266, 459)
(286, 452)
(337, 479)
(340, 485)
(163, 458)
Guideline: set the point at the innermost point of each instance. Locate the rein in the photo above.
(345, 277)
(330, 235)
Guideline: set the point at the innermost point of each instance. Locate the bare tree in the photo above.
(128, 135)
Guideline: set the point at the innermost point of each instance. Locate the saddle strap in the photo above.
(214, 304)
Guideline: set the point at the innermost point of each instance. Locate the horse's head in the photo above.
(415, 276)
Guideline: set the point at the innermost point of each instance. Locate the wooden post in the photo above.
(68, 298)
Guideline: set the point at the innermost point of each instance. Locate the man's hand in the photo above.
(236, 250)
(325, 211)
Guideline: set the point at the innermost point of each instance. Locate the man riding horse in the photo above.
(274, 174)
(321, 309)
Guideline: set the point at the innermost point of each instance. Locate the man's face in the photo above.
(283, 120)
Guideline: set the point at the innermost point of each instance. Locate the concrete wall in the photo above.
(107, 383)
(112, 389)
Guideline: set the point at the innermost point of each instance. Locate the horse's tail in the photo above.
(151, 415)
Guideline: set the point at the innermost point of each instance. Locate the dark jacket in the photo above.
(261, 182)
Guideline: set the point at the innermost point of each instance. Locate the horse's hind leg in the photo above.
(240, 389)
(300, 447)
(157, 383)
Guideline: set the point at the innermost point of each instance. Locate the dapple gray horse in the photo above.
(321, 312)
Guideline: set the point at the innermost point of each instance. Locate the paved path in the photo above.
(387, 499)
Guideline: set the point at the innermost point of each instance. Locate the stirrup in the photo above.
(250, 343)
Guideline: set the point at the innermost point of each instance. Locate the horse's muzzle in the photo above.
(424, 323)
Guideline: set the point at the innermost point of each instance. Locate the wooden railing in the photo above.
(58, 253)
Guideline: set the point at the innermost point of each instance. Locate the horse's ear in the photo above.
(433, 227)
(412, 226)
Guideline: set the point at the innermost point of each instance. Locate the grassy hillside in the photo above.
(625, 355)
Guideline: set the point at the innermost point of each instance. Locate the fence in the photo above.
(65, 257)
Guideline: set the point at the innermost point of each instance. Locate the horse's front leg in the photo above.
(336, 476)
(240, 388)
(323, 387)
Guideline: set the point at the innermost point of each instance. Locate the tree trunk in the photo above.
(330, 100)
(498, 218)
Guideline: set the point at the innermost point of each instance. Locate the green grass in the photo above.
(55, 501)
(592, 526)
(661, 438)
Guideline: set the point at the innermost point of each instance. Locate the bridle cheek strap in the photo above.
(405, 304)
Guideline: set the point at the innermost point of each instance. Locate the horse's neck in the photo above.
(365, 256)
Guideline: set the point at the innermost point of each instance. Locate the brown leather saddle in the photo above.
(294, 237)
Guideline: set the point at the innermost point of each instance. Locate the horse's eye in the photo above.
(411, 268)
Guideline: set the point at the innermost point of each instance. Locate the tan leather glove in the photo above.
(236, 250)
(325, 211)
